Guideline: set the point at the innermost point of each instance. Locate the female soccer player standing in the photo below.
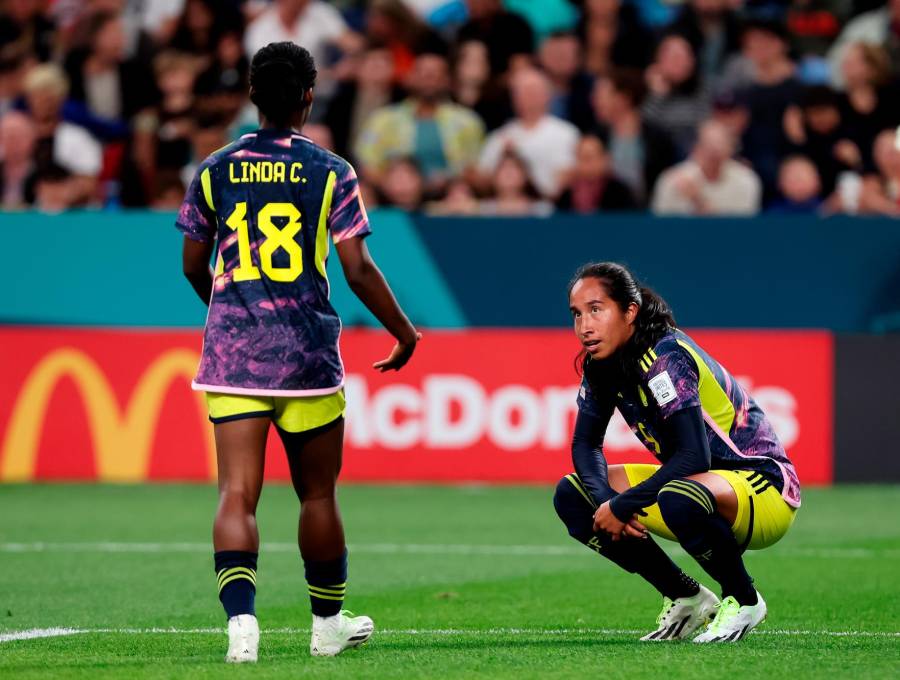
(270, 200)
(725, 483)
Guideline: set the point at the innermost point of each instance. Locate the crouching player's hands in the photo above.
(401, 353)
(605, 520)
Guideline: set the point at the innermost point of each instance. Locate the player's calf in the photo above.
(236, 576)
(689, 509)
(641, 556)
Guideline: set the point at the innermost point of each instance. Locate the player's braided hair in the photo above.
(280, 75)
(654, 317)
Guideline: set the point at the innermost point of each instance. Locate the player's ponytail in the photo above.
(654, 317)
(280, 76)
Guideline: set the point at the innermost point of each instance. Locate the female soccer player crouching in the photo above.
(725, 483)
(270, 201)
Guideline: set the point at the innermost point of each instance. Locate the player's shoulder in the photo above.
(321, 156)
(673, 347)
(221, 154)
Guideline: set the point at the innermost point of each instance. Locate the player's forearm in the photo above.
(202, 283)
(692, 455)
(368, 284)
(588, 459)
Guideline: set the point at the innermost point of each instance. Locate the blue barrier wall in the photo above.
(124, 269)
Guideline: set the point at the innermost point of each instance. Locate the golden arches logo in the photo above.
(122, 438)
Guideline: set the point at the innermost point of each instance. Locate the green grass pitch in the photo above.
(461, 582)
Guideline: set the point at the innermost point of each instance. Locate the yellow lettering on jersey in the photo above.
(295, 172)
(237, 221)
(264, 172)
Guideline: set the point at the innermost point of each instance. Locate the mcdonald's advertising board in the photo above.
(474, 405)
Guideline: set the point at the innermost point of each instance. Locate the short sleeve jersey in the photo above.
(677, 374)
(271, 201)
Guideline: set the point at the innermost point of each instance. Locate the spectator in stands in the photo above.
(507, 35)
(880, 194)
(197, 31)
(442, 137)
(613, 36)
(512, 193)
(560, 56)
(228, 74)
(402, 185)
(312, 23)
(591, 185)
(13, 67)
(773, 88)
(639, 151)
(459, 199)
(60, 144)
(728, 109)
(24, 27)
(109, 85)
(870, 102)
(799, 186)
(55, 190)
(17, 167)
(814, 127)
(371, 88)
(813, 25)
(876, 27)
(710, 182)
(175, 77)
(544, 142)
(476, 88)
(677, 101)
(168, 192)
(394, 25)
(713, 29)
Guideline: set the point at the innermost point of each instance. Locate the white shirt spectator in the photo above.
(548, 149)
(736, 191)
(75, 150)
(318, 25)
(870, 27)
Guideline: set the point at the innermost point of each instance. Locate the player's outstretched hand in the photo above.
(399, 356)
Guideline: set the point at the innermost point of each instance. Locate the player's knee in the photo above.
(683, 502)
(573, 509)
(238, 500)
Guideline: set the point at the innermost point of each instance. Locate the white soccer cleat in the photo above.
(733, 621)
(331, 635)
(243, 639)
(680, 618)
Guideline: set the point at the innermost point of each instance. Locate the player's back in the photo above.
(270, 200)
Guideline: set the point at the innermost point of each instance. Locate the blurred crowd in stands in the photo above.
(469, 107)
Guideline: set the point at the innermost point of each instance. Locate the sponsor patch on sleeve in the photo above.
(662, 388)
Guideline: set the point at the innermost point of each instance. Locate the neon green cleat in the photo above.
(734, 621)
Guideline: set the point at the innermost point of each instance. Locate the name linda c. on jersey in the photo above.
(266, 171)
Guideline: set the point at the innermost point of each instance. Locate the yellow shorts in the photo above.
(763, 517)
(291, 414)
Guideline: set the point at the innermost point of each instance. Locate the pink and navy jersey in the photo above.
(271, 201)
(677, 374)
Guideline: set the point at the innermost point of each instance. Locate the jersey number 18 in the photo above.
(275, 238)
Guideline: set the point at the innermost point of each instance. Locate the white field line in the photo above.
(37, 633)
(413, 549)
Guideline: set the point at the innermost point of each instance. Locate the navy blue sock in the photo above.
(327, 583)
(641, 556)
(689, 510)
(236, 574)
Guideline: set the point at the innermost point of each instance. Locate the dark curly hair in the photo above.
(654, 318)
(280, 76)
